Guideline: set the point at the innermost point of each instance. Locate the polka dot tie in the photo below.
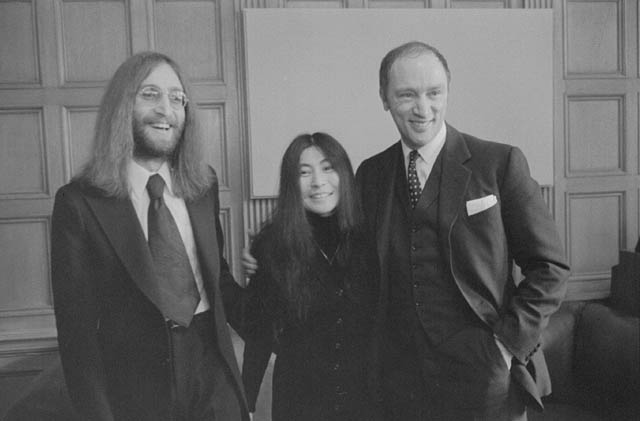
(414, 183)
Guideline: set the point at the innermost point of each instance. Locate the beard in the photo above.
(146, 147)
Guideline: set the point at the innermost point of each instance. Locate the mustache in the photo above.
(173, 122)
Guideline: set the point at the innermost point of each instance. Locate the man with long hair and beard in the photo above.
(137, 261)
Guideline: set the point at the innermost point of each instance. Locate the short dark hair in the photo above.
(413, 48)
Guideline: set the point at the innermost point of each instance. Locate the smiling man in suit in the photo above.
(137, 261)
(456, 337)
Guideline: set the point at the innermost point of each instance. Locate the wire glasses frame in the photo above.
(153, 95)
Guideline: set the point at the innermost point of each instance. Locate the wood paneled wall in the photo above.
(57, 55)
(596, 137)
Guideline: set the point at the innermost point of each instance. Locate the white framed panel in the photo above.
(78, 137)
(18, 32)
(594, 38)
(318, 71)
(95, 39)
(25, 281)
(595, 135)
(190, 33)
(23, 160)
(212, 120)
(595, 219)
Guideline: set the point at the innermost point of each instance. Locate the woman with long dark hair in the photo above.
(311, 299)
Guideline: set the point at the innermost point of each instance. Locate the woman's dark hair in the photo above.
(290, 247)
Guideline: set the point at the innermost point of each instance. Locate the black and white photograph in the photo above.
(319, 210)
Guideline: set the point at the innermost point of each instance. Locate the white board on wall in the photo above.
(317, 70)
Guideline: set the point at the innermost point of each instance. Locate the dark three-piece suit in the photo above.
(446, 285)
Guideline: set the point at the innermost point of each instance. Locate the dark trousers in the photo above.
(203, 387)
(462, 379)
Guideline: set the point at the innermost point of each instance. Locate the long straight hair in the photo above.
(113, 137)
(291, 247)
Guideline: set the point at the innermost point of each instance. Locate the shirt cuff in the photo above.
(506, 354)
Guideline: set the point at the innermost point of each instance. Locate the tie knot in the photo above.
(155, 186)
(413, 156)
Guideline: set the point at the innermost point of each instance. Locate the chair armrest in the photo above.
(607, 357)
(558, 345)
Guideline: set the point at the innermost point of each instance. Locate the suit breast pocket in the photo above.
(481, 234)
(483, 215)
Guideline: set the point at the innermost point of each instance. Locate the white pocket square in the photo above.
(478, 205)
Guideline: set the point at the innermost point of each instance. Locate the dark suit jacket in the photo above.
(114, 342)
(479, 249)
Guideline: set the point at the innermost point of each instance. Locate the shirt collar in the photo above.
(138, 176)
(430, 151)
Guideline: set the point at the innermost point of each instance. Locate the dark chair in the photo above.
(593, 354)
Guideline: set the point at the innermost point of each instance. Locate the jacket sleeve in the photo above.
(250, 311)
(257, 352)
(77, 308)
(230, 291)
(368, 190)
(535, 246)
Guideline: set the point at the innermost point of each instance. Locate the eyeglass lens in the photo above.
(177, 99)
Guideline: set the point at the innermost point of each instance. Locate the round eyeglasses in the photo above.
(153, 95)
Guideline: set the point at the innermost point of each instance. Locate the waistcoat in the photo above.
(423, 295)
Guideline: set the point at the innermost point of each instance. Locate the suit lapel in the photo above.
(400, 182)
(454, 182)
(119, 222)
(387, 178)
(203, 223)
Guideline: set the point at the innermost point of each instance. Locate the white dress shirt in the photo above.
(138, 177)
